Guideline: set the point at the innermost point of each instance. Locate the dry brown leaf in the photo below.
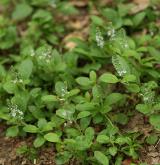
(70, 44)
(127, 162)
(105, 2)
(140, 5)
(79, 3)
(79, 23)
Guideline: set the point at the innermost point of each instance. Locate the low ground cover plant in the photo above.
(80, 99)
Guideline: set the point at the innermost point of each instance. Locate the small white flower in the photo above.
(152, 33)
(34, 161)
(20, 80)
(46, 55)
(126, 45)
(99, 38)
(32, 53)
(111, 33)
(70, 122)
(16, 80)
(121, 72)
(64, 91)
(15, 112)
(47, 60)
(64, 113)
(148, 95)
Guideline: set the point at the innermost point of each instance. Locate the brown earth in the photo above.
(45, 156)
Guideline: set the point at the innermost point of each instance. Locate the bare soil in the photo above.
(8, 155)
(46, 155)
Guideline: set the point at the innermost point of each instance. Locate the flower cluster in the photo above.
(118, 66)
(46, 55)
(111, 33)
(15, 112)
(99, 38)
(147, 94)
(32, 53)
(16, 80)
(118, 36)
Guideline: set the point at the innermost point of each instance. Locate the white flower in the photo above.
(15, 112)
(99, 38)
(46, 55)
(64, 91)
(148, 95)
(111, 33)
(121, 72)
(70, 122)
(16, 80)
(32, 53)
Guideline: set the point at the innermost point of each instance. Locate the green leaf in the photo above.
(63, 158)
(138, 18)
(82, 143)
(10, 87)
(123, 9)
(49, 98)
(83, 114)
(39, 141)
(105, 109)
(133, 88)
(61, 89)
(111, 130)
(144, 108)
(129, 78)
(8, 36)
(97, 20)
(108, 78)
(113, 150)
(22, 149)
(120, 118)
(65, 113)
(93, 76)
(101, 158)
(113, 98)
(112, 16)
(123, 140)
(72, 132)
(43, 125)
(103, 139)
(155, 121)
(25, 68)
(83, 81)
(21, 11)
(98, 118)
(85, 106)
(67, 8)
(2, 71)
(72, 92)
(30, 128)
(152, 139)
(154, 52)
(12, 131)
(89, 134)
(52, 137)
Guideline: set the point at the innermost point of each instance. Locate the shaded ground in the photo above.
(149, 153)
(8, 146)
(79, 28)
(8, 155)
